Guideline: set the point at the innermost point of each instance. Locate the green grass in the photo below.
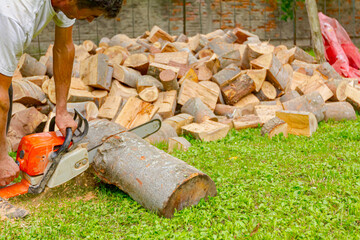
(282, 188)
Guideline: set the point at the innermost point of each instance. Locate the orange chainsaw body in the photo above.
(33, 157)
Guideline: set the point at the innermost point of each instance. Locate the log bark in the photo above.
(237, 89)
(168, 79)
(267, 92)
(29, 66)
(338, 88)
(338, 111)
(226, 75)
(163, 135)
(196, 108)
(131, 163)
(274, 127)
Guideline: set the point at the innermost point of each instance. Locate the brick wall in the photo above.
(261, 17)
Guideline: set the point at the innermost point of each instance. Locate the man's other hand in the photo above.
(9, 170)
(64, 120)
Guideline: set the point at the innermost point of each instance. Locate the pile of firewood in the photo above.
(203, 85)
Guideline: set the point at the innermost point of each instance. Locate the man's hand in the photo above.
(9, 170)
(64, 120)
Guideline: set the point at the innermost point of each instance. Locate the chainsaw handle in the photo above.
(66, 144)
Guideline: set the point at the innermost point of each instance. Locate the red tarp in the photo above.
(340, 52)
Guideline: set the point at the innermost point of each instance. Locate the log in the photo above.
(289, 96)
(166, 103)
(267, 92)
(273, 127)
(226, 75)
(237, 89)
(29, 66)
(178, 143)
(257, 50)
(90, 46)
(150, 94)
(148, 81)
(163, 135)
(299, 123)
(328, 71)
(300, 55)
(135, 112)
(214, 88)
(248, 121)
(118, 89)
(110, 107)
(126, 75)
(114, 52)
(353, 97)
(258, 76)
(168, 79)
(48, 63)
(242, 35)
(190, 89)
(96, 72)
(138, 61)
(338, 88)
(157, 33)
(232, 111)
(207, 131)
(178, 121)
(37, 80)
(315, 83)
(196, 108)
(204, 73)
(266, 112)
(338, 111)
(232, 57)
(88, 109)
(80, 53)
(27, 93)
(248, 101)
(156, 68)
(176, 57)
(189, 75)
(104, 42)
(131, 163)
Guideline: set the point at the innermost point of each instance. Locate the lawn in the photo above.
(282, 188)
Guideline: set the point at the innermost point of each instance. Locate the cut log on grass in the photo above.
(166, 103)
(338, 111)
(27, 93)
(157, 33)
(148, 81)
(299, 123)
(138, 61)
(126, 75)
(266, 112)
(237, 89)
(135, 112)
(226, 75)
(248, 121)
(130, 163)
(267, 92)
(178, 143)
(29, 66)
(178, 121)
(338, 88)
(190, 89)
(273, 127)
(207, 131)
(168, 79)
(118, 89)
(232, 111)
(96, 72)
(150, 94)
(353, 97)
(110, 107)
(196, 108)
(163, 135)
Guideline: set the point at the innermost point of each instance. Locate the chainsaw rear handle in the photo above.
(66, 144)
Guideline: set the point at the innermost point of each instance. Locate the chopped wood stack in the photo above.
(202, 85)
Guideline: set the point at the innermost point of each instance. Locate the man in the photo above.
(20, 22)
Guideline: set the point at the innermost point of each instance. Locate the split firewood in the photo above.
(267, 92)
(338, 88)
(289, 96)
(121, 40)
(299, 123)
(178, 121)
(163, 135)
(207, 131)
(204, 73)
(166, 103)
(190, 89)
(156, 68)
(29, 66)
(214, 88)
(135, 112)
(249, 100)
(196, 108)
(229, 37)
(38, 80)
(353, 97)
(257, 50)
(237, 89)
(176, 57)
(190, 75)
(284, 56)
(150, 94)
(104, 42)
(81, 53)
(247, 121)
(126, 75)
(114, 51)
(299, 79)
(232, 111)
(205, 53)
(276, 73)
(118, 89)
(157, 33)
(96, 72)
(90, 46)
(258, 76)
(27, 93)
(178, 143)
(338, 111)
(148, 81)
(327, 70)
(279, 48)
(266, 112)
(17, 107)
(77, 83)
(168, 47)
(296, 64)
(110, 107)
(168, 79)
(242, 35)
(301, 55)
(88, 109)
(226, 75)
(138, 61)
(273, 127)
(232, 57)
(182, 38)
(315, 83)
(49, 64)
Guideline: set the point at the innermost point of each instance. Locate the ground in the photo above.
(282, 188)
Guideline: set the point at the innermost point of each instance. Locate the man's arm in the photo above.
(63, 55)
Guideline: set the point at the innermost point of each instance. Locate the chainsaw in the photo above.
(49, 159)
